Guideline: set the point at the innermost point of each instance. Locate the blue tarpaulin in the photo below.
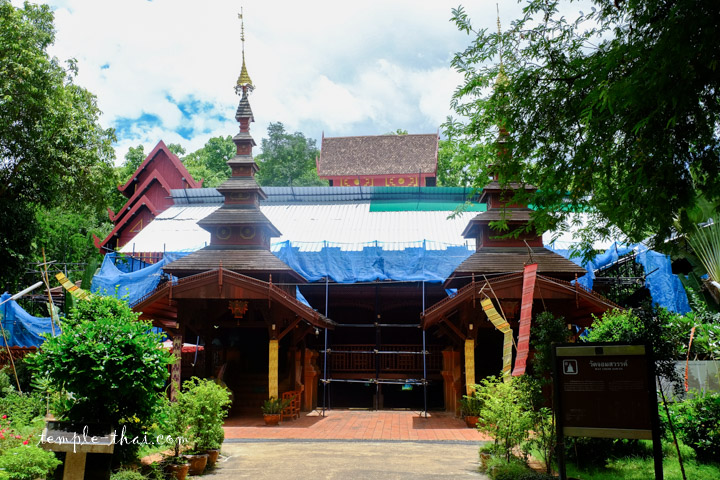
(379, 262)
(132, 286)
(373, 262)
(21, 328)
(665, 288)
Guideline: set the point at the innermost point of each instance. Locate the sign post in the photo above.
(605, 390)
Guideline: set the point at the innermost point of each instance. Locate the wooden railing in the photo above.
(362, 358)
(18, 353)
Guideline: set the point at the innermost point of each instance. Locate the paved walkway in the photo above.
(357, 425)
(344, 460)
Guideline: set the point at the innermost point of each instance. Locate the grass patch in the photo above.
(642, 469)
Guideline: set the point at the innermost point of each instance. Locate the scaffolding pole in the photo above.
(326, 349)
(424, 348)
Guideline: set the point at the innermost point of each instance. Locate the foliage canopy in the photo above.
(615, 112)
(112, 365)
(287, 159)
(52, 149)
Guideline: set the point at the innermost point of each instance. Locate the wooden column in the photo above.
(310, 379)
(451, 373)
(469, 365)
(273, 369)
(175, 371)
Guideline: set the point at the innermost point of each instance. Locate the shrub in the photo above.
(471, 405)
(507, 414)
(207, 404)
(648, 324)
(547, 329)
(15, 434)
(112, 365)
(274, 406)
(174, 421)
(28, 462)
(22, 409)
(499, 469)
(698, 422)
(127, 475)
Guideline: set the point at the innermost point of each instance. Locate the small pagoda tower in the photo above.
(239, 232)
(500, 252)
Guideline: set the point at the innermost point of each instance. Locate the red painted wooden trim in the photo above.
(173, 158)
(140, 192)
(142, 202)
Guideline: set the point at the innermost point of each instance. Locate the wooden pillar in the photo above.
(451, 373)
(310, 379)
(469, 365)
(273, 369)
(175, 371)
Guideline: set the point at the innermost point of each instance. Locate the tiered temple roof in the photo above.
(148, 193)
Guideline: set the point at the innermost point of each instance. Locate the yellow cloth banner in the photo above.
(273, 369)
(469, 365)
(74, 290)
(504, 327)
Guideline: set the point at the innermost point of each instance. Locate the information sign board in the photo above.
(605, 390)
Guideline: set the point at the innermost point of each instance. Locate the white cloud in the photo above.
(345, 68)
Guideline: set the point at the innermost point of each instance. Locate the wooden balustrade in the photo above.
(361, 358)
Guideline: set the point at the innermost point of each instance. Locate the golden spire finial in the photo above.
(244, 84)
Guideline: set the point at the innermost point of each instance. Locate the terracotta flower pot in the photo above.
(271, 419)
(471, 421)
(179, 472)
(213, 454)
(197, 463)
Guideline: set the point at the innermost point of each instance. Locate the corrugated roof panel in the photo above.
(350, 225)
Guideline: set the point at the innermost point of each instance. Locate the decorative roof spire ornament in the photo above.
(501, 78)
(244, 83)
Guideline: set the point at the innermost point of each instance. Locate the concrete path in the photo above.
(345, 460)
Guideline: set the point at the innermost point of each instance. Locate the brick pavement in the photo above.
(356, 425)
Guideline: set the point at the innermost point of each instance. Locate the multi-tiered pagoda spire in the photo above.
(239, 232)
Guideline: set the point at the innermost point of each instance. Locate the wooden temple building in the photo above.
(370, 323)
(379, 161)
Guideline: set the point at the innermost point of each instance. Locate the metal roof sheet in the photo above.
(348, 225)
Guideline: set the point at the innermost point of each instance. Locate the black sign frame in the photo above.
(592, 367)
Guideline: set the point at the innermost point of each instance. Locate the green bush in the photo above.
(471, 405)
(208, 405)
(697, 420)
(112, 365)
(515, 469)
(547, 329)
(647, 324)
(22, 409)
(127, 475)
(507, 413)
(28, 462)
(174, 420)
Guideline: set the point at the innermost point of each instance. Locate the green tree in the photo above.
(210, 162)
(111, 363)
(133, 158)
(53, 152)
(287, 159)
(615, 112)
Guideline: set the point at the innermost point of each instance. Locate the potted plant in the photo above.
(470, 408)
(174, 420)
(272, 410)
(208, 405)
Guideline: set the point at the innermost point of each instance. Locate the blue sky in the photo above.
(165, 69)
